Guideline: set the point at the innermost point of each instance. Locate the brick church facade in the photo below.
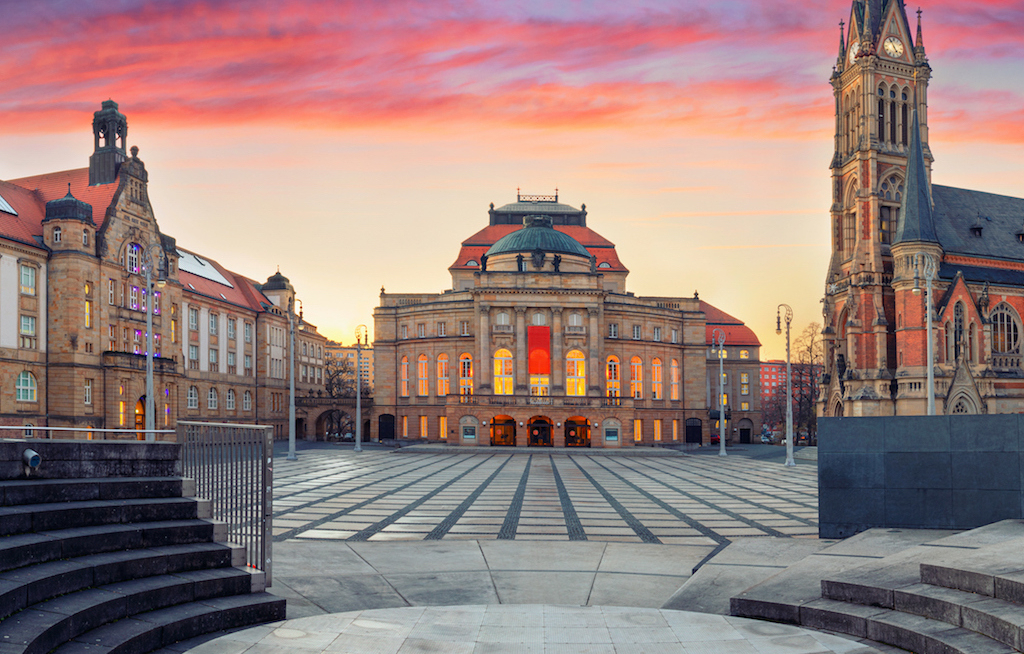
(74, 247)
(892, 229)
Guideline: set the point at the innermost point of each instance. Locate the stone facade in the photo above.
(84, 239)
(538, 343)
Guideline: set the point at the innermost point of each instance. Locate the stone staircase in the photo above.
(121, 565)
(922, 591)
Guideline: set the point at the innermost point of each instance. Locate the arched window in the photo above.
(636, 378)
(56, 234)
(466, 374)
(230, 400)
(960, 407)
(972, 343)
(958, 330)
(890, 192)
(850, 220)
(132, 257)
(442, 375)
(501, 318)
(403, 380)
(575, 320)
(1005, 337)
(422, 381)
(538, 319)
(211, 399)
(675, 379)
(656, 379)
(575, 374)
(881, 113)
(193, 397)
(26, 387)
(949, 342)
(612, 378)
(504, 382)
(247, 401)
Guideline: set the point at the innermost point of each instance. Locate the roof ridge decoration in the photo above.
(916, 222)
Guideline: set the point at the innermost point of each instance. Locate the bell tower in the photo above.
(880, 77)
(109, 131)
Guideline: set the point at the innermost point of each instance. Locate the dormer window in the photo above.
(1020, 236)
(56, 234)
(976, 231)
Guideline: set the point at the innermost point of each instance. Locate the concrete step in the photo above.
(146, 632)
(26, 518)
(996, 570)
(994, 618)
(41, 491)
(30, 585)
(28, 549)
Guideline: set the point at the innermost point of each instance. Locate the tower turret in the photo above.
(110, 132)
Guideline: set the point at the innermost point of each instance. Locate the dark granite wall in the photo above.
(77, 459)
(936, 472)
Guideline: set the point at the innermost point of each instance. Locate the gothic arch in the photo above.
(836, 406)
(962, 404)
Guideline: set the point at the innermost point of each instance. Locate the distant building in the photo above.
(741, 367)
(338, 352)
(538, 343)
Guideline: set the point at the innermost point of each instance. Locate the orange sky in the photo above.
(355, 144)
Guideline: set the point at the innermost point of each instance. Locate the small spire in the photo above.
(867, 36)
(915, 221)
(69, 191)
(842, 44)
(919, 45)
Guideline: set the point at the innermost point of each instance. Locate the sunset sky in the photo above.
(356, 144)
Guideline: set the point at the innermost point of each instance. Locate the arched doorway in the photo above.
(577, 432)
(694, 430)
(503, 431)
(540, 432)
(140, 418)
(386, 426)
(746, 428)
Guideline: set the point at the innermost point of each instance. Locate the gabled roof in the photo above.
(52, 186)
(736, 333)
(1000, 217)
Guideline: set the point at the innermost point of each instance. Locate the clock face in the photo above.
(893, 47)
(854, 49)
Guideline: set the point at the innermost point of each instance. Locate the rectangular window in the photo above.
(248, 332)
(423, 427)
(134, 298)
(405, 331)
(744, 389)
(469, 432)
(675, 430)
(464, 327)
(111, 292)
(657, 334)
(675, 335)
(88, 314)
(613, 330)
(442, 427)
(248, 365)
(28, 332)
(744, 406)
(231, 328)
(638, 430)
(611, 434)
(657, 430)
(174, 330)
(421, 330)
(442, 376)
(442, 329)
(744, 354)
(193, 357)
(636, 332)
(193, 318)
(112, 338)
(213, 360)
(87, 391)
(28, 280)
(744, 377)
(213, 324)
(232, 369)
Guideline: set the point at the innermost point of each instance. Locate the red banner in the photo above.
(538, 343)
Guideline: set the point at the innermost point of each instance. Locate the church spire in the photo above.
(916, 222)
(842, 47)
(919, 54)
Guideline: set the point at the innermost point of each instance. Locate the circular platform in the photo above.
(529, 629)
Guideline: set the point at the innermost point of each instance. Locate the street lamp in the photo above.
(291, 378)
(718, 338)
(360, 334)
(926, 262)
(152, 259)
(789, 381)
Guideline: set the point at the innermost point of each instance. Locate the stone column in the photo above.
(521, 364)
(482, 369)
(557, 361)
(595, 339)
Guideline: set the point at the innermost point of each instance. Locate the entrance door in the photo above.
(693, 430)
(540, 432)
(140, 418)
(386, 426)
(577, 433)
(503, 431)
(744, 436)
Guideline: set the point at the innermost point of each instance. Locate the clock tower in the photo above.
(880, 77)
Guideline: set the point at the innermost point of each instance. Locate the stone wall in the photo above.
(77, 459)
(933, 472)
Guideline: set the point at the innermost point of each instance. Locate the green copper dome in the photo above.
(537, 234)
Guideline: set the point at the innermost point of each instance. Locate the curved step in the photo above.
(146, 632)
(994, 618)
(24, 587)
(28, 549)
(28, 518)
(39, 491)
(44, 626)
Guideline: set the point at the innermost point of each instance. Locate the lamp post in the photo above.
(789, 381)
(360, 333)
(151, 260)
(291, 378)
(927, 262)
(718, 337)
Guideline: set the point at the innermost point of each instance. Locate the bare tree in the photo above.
(339, 378)
(809, 355)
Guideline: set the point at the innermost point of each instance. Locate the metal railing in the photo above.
(31, 430)
(232, 467)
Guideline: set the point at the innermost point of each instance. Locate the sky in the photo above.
(356, 144)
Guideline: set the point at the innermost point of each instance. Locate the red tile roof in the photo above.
(236, 294)
(52, 186)
(24, 227)
(736, 333)
(596, 244)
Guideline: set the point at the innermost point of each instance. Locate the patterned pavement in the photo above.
(382, 495)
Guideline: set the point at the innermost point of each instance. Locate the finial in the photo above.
(920, 37)
(135, 152)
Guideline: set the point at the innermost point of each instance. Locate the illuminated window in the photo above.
(675, 379)
(405, 426)
(656, 379)
(25, 387)
(575, 374)
(638, 430)
(442, 375)
(504, 383)
(404, 379)
(744, 406)
(423, 427)
(466, 374)
(675, 430)
(657, 430)
(442, 427)
(744, 354)
(636, 378)
(612, 378)
(422, 381)
(120, 412)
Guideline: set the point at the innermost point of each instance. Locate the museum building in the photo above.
(538, 343)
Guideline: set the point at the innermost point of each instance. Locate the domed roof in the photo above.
(277, 282)
(68, 207)
(537, 234)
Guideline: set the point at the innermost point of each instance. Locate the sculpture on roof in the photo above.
(538, 258)
(557, 262)
(483, 263)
